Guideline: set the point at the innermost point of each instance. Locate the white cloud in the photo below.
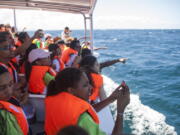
(56, 21)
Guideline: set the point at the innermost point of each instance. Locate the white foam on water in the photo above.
(144, 119)
(115, 39)
(96, 54)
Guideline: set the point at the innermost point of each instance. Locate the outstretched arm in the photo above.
(111, 62)
(98, 48)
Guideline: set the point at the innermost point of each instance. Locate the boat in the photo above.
(83, 7)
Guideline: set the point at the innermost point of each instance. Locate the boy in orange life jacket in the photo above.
(40, 72)
(12, 118)
(70, 54)
(67, 104)
(57, 63)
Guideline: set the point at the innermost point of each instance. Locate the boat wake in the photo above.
(140, 118)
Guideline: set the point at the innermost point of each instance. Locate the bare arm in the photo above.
(26, 44)
(106, 101)
(122, 102)
(111, 62)
(98, 48)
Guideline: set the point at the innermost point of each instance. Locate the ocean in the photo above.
(152, 73)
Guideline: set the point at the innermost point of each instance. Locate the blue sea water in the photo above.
(152, 72)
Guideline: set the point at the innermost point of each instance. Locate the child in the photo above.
(40, 71)
(56, 57)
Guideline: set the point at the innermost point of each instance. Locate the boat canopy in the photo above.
(83, 7)
(68, 6)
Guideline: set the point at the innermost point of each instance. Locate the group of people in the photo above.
(69, 76)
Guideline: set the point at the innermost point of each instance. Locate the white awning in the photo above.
(68, 6)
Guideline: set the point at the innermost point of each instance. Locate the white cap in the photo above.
(37, 54)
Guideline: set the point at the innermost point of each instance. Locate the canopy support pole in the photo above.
(15, 25)
(91, 30)
(85, 27)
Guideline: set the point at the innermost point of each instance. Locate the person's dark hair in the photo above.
(86, 65)
(2, 25)
(60, 42)
(85, 52)
(41, 34)
(13, 29)
(22, 36)
(52, 48)
(68, 77)
(88, 61)
(3, 70)
(72, 130)
(67, 28)
(74, 44)
(28, 66)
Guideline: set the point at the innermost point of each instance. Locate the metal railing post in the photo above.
(91, 31)
(85, 27)
(15, 23)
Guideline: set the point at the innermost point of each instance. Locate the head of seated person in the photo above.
(41, 34)
(8, 27)
(75, 44)
(22, 36)
(2, 28)
(85, 52)
(72, 130)
(8, 37)
(6, 53)
(39, 57)
(36, 57)
(70, 80)
(6, 84)
(90, 64)
(56, 51)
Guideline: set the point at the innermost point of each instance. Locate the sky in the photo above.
(108, 14)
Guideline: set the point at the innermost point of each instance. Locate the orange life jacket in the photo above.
(18, 113)
(18, 43)
(61, 63)
(97, 80)
(22, 68)
(63, 110)
(36, 80)
(66, 54)
(11, 70)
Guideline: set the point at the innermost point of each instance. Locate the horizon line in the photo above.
(116, 29)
